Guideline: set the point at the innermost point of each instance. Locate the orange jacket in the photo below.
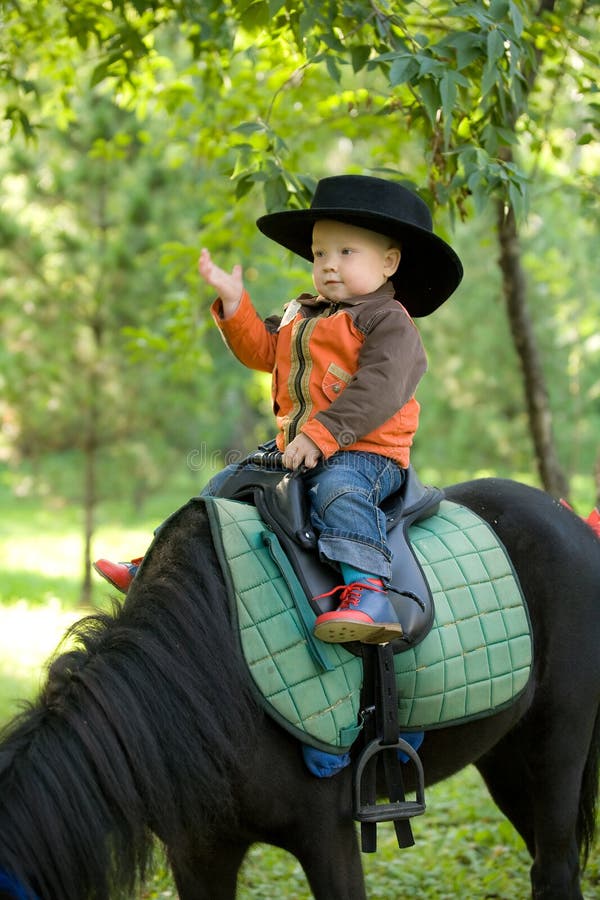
(344, 374)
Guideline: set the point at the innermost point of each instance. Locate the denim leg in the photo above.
(345, 492)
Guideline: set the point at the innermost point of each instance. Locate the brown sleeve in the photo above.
(392, 362)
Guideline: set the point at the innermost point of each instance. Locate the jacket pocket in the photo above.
(335, 381)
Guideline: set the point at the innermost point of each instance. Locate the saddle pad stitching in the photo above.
(483, 646)
(330, 709)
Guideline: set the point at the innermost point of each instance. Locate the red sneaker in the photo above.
(365, 614)
(593, 521)
(120, 574)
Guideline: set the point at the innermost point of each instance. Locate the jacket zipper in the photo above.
(293, 427)
(303, 400)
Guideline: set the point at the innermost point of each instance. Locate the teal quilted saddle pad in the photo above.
(475, 660)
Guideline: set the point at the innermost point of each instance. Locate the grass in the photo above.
(463, 849)
(464, 846)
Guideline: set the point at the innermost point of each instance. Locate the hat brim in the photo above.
(429, 271)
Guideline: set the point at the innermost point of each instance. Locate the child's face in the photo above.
(349, 261)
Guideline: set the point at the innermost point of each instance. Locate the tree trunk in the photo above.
(550, 471)
(552, 475)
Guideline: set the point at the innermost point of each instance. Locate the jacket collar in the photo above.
(385, 292)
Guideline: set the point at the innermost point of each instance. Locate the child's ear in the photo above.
(391, 260)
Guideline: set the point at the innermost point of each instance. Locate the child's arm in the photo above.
(229, 286)
(250, 339)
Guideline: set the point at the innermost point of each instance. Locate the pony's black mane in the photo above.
(140, 728)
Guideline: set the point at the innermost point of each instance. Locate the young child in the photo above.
(345, 362)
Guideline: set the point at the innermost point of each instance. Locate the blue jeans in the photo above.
(344, 493)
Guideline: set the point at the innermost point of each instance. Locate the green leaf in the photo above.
(480, 195)
(359, 56)
(506, 136)
(495, 45)
(469, 47)
(479, 13)
(474, 180)
(489, 139)
(20, 120)
(517, 199)
(244, 185)
(431, 98)
(276, 194)
(448, 94)
(387, 57)
(499, 10)
(333, 69)
(255, 16)
(275, 6)
(249, 128)
(516, 17)
(587, 54)
(99, 73)
(428, 65)
(490, 77)
(403, 69)
(332, 42)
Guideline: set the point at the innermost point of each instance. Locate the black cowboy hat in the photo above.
(429, 270)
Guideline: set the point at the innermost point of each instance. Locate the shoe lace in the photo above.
(350, 594)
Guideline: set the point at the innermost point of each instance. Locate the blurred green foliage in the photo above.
(154, 128)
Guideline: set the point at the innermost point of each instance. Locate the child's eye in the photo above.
(318, 254)
(347, 251)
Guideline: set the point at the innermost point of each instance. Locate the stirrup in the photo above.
(367, 811)
(382, 743)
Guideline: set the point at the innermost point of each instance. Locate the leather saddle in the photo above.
(280, 498)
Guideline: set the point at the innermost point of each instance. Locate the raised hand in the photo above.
(228, 285)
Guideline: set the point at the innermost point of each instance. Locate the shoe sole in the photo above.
(110, 581)
(345, 632)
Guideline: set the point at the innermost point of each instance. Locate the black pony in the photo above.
(147, 727)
